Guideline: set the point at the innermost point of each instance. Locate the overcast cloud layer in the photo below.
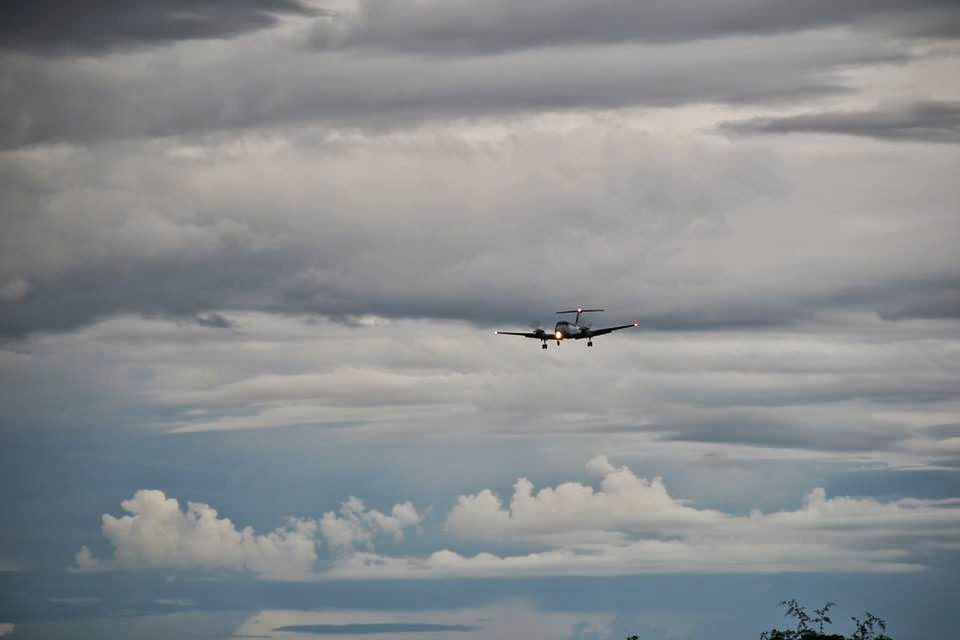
(257, 251)
(206, 175)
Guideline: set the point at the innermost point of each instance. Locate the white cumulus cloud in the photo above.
(158, 533)
(625, 525)
(356, 526)
(624, 503)
(632, 525)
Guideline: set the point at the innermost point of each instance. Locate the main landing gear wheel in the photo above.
(543, 346)
(590, 343)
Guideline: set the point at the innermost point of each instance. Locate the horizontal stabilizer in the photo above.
(579, 311)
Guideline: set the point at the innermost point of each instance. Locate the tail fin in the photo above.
(579, 311)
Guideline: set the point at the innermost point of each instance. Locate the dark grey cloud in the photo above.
(439, 26)
(928, 121)
(759, 432)
(213, 320)
(293, 282)
(943, 302)
(150, 288)
(50, 27)
(97, 26)
(372, 628)
(945, 431)
(50, 101)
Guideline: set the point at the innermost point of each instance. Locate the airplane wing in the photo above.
(601, 332)
(533, 334)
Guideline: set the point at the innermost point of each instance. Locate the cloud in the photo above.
(213, 320)
(944, 303)
(356, 526)
(436, 26)
(627, 526)
(50, 27)
(463, 26)
(14, 290)
(477, 27)
(366, 628)
(632, 525)
(156, 533)
(624, 502)
(489, 190)
(855, 390)
(508, 618)
(678, 253)
(920, 121)
(133, 185)
(7, 628)
(771, 424)
(374, 93)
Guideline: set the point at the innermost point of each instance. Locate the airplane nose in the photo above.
(559, 335)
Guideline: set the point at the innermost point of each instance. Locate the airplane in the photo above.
(565, 330)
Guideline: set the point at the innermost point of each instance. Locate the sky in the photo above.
(254, 254)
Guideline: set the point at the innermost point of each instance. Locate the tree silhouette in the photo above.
(821, 615)
(809, 626)
(870, 628)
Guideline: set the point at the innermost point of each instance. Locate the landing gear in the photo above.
(589, 343)
(543, 346)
